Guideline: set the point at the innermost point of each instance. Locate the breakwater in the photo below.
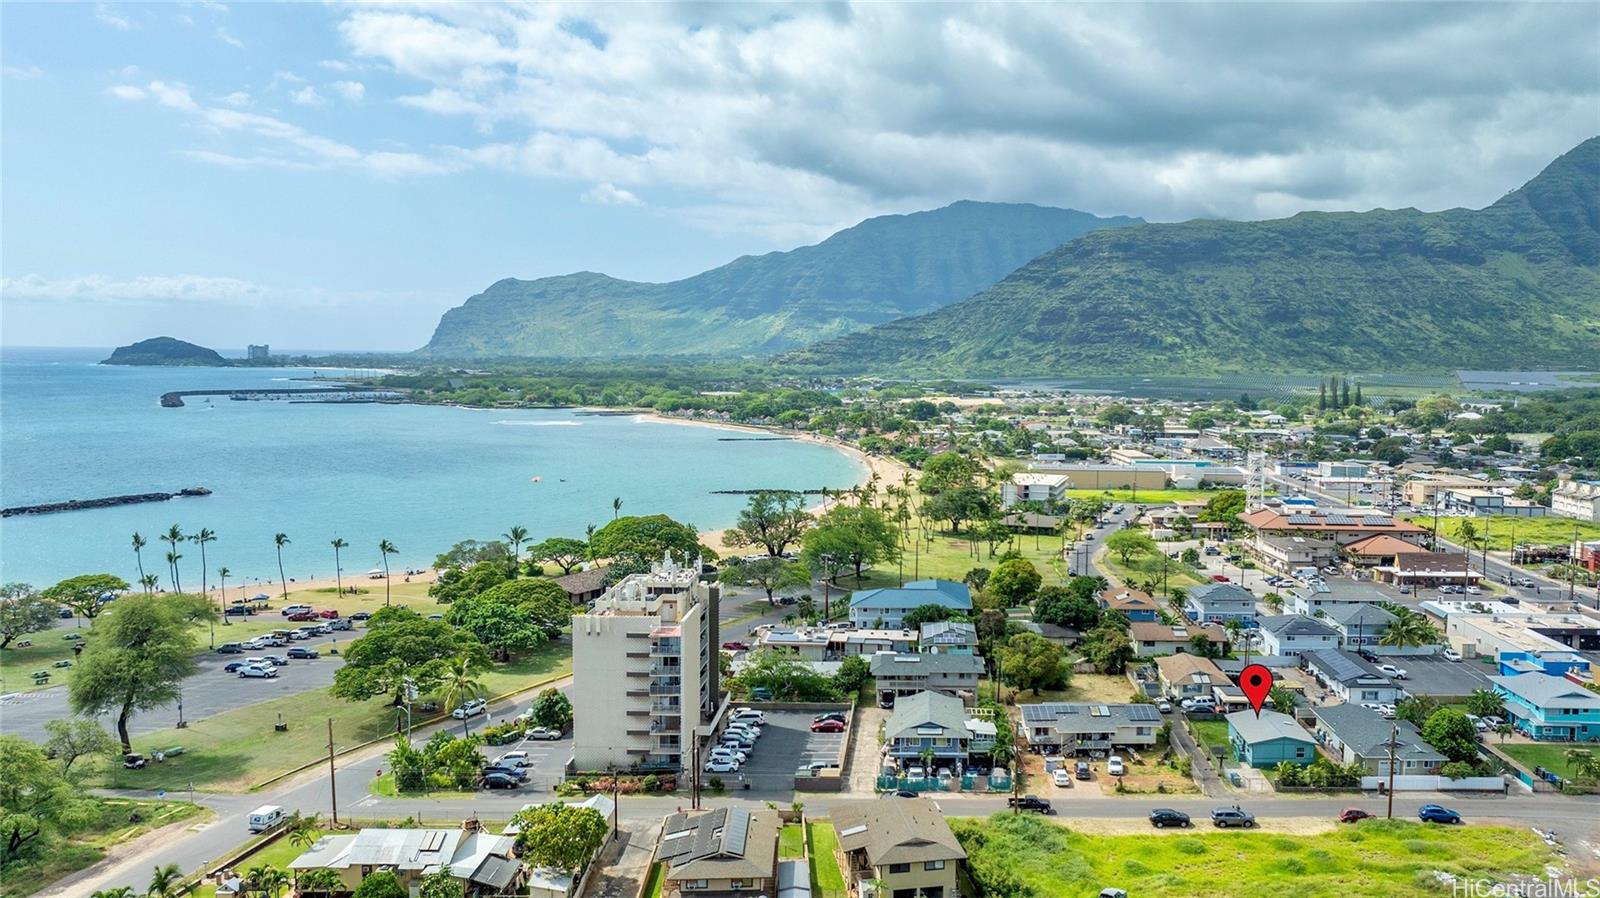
(174, 399)
(107, 502)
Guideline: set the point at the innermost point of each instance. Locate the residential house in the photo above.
(1188, 676)
(1150, 638)
(937, 723)
(1071, 727)
(886, 606)
(724, 853)
(906, 846)
(1357, 735)
(1351, 678)
(583, 587)
(1135, 605)
(484, 863)
(1220, 603)
(1317, 600)
(948, 636)
(1550, 708)
(1286, 553)
(548, 882)
(903, 673)
(1296, 634)
(1266, 739)
(1576, 499)
(1358, 625)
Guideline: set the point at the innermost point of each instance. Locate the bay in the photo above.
(422, 477)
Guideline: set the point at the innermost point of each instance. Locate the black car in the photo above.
(301, 651)
(500, 781)
(830, 715)
(1161, 818)
(907, 793)
(232, 666)
(496, 769)
(361, 615)
(1032, 803)
(230, 648)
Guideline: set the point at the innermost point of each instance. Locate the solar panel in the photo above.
(1143, 713)
(735, 831)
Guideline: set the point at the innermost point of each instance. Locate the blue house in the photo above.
(1220, 602)
(1554, 708)
(887, 606)
(1266, 740)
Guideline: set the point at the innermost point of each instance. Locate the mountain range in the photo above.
(1513, 285)
(882, 269)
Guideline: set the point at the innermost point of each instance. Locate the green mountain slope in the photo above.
(882, 269)
(1514, 285)
(166, 351)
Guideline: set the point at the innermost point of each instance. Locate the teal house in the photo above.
(1266, 740)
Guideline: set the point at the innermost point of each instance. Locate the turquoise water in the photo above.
(422, 477)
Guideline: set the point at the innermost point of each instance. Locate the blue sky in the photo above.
(324, 175)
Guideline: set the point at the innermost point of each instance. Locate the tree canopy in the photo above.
(559, 835)
(1452, 735)
(772, 520)
(646, 538)
(23, 610)
(562, 551)
(947, 471)
(1015, 581)
(399, 645)
(37, 802)
(138, 658)
(855, 535)
(82, 593)
(1029, 661)
(514, 616)
(769, 575)
(455, 584)
(1068, 606)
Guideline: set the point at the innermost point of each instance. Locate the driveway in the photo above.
(865, 754)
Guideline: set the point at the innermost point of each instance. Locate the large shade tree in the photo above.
(773, 520)
(23, 610)
(139, 658)
(647, 538)
(400, 645)
(83, 593)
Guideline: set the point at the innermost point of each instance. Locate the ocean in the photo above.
(422, 477)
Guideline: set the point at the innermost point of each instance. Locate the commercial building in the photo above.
(1341, 525)
(1428, 570)
(1286, 553)
(1087, 476)
(1482, 501)
(645, 681)
(1422, 489)
(1045, 489)
(905, 845)
(1576, 499)
(1546, 642)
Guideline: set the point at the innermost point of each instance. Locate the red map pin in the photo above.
(1256, 681)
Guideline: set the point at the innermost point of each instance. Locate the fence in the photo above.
(1416, 783)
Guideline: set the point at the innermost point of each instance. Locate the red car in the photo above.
(1218, 578)
(828, 726)
(302, 616)
(735, 646)
(1351, 815)
(329, 614)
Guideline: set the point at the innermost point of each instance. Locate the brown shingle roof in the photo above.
(895, 831)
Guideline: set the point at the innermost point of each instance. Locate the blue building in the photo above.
(1220, 602)
(1269, 739)
(1553, 708)
(887, 606)
(1556, 664)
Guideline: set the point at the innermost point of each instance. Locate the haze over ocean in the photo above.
(422, 477)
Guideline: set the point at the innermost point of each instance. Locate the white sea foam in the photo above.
(541, 423)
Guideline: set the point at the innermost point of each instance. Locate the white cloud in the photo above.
(607, 194)
(102, 288)
(22, 72)
(127, 92)
(237, 98)
(105, 15)
(230, 40)
(336, 65)
(307, 96)
(353, 91)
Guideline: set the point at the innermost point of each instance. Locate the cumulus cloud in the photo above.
(106, 15)
(607, 194)
(127, 92)
(154, 288)
(22, 72)
(307, 96)
(353, 91)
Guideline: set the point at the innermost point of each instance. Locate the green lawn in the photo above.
(239, 749)
(17, 665)
(1210, 732)
(1501, 528)
(826, 879)
(950, 556)
(1552, 757)
(1141, 497)
(791, 842)
(1378, 858)
(1148, 567)
(112, 827)
(652, 886)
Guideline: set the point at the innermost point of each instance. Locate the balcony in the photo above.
(665, 688)
(666, 670)
(662, 725)
(666, 648)
(666, 706)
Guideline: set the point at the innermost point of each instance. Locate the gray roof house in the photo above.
(1072, 726)
(956, 636)
(937, 722)
(1358, 625)
(724, 853)
(905, 673)
(1220, 602)
(1295, 634)
(1351, 678)
(886, 606)
(1360, 735)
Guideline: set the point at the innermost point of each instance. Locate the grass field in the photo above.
(791, 842)
(951, 556)
(652, 886)
(826, 879)
(1378, 858)
(1094, 688)
(1141, 497)
(1148, 567)
(1210, 733)
(1550, 757)
(1502, 528)
(239, 749)
(89, 845)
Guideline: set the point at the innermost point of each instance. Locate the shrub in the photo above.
(714, 783)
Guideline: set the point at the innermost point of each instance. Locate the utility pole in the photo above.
(694, 777)
(333, 788)
(1394, 737)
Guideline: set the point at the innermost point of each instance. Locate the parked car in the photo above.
(1062, 778)
(277, 660)
(256, 643)
(291, 610)
(1352, 815)
(230, 648)
(303, 616)
(239, 611)
(259, 661)
(1436, 813)
(301, 651)
(734, 646)
(1451, 655)
(741, 740)
(232, 666)
(759, 718)
(828, 726)
(1223, 818)
(361, 615)
(1032, 803)
(496, 780)
(515, 773)
(1164, 706)
(722, 765)
(328, 614)
(1161, 818)
(1219, 578)
(728, 753)
(256, 671)
(343, 623)
(514, 759)
(544, 734)
(469, 708)
(1114, 765)
(134, 761)
(1082, 770)
(1398, 673)
(761, 694)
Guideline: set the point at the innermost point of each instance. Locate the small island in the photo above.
(168, 352)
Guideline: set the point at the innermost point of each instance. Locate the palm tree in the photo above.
(386, 548)
(172, 537)
(149, 581)
(1409, 629)
(222, 579)
(203, 537)
(280, 540)
(338, 572)
(1585, 764)
(516, 536)
(164, 881)
(303, 829)
(321, 881)
(460, 685)
(616, 507)
(1504, 729)
(138, 553)
(267, 880)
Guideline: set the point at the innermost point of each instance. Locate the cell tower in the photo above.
(1256, 492)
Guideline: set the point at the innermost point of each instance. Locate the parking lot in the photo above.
(1440, 678)
(786, 745)
(547, 760)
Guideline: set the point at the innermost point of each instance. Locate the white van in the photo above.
(265, 817)
(1305, 573)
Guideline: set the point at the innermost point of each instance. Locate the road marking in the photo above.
(367, 802)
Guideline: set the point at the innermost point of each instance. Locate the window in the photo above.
(899, 868)
(933, 865)
(735, 883)
(694, 884)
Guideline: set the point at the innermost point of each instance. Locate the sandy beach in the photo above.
(889, 470)
(239, 590)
